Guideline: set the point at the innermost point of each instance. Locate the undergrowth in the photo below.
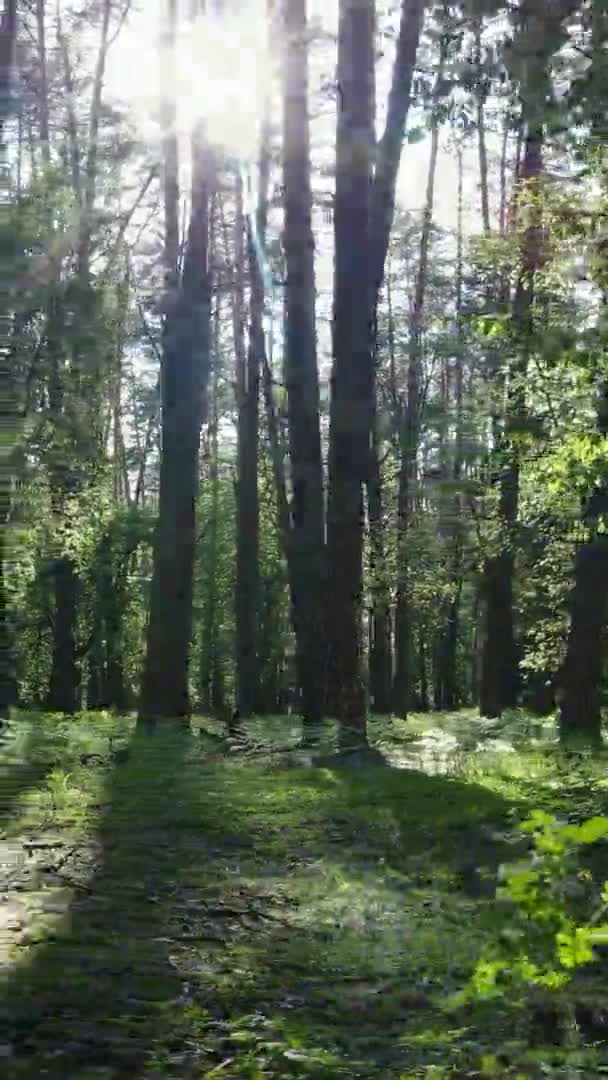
(182, 915)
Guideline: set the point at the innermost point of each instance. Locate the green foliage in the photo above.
(540, 940)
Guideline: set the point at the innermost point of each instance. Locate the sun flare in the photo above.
(223, 74)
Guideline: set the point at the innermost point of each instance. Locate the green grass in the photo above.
(192, 915)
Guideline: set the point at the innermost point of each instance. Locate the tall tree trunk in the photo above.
(447, 682)
(388, 159)
(82, 412)
(481, 133)
(499, 666)
(352, 374)
(389, 149)
(184, 371)
(380, 653)
(246, 595)
(248, 389)
(209, 627)
(42, 89)
(409, 438)
(307, 519)
(9, 399)
(581, 676)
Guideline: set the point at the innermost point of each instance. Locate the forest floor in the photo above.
(187, 913)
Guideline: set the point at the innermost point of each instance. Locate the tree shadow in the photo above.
(340, 858)
(91, 990)
(190, 901)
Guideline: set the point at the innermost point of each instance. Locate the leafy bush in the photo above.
(548, 921)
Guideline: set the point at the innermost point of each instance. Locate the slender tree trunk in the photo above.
(184, 375)
(409, 439)
(380, 653)
(42, 83)
(209, 627)
(481, 135)
(352, 374)
(247, 508)
(389, 149)
(447, 681)
(307, 519)
(9, 398)
(500, 660)
(247, 573)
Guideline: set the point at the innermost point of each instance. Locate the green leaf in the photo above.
(596, 828)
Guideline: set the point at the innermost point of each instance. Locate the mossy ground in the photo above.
(191, 914)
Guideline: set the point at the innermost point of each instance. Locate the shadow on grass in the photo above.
(92, 996)
(222, 892)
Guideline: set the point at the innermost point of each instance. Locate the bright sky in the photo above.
(224, 68)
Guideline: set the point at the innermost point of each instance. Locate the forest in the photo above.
(304, 539)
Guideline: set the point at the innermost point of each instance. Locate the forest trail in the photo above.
(172, 917)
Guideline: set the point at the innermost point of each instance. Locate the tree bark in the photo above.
(9, 400)
(580, 713)
(352, 374)
(247, 509)
(209, 627)
(580, 710)
(307, 518)
(42, 88)
(447, 694)
(184, 376)
(388, 152)
(409, 438)
(500, 659)
(380, 652)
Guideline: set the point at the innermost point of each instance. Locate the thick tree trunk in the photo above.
(307, 519)
(580, 714)
(352, 375)
(581, 676)
(185, 370)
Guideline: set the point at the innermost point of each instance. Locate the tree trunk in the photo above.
(247, 509)
(388, 153)
(580, 714)
(581, 676)
(185, 371)
(64, 686)
(500, 660)
(10, 404)
(380, 654)
(409, 437)
(42, 90)
(352, 374)
(307, 519)
(209, 627)
(447, 695)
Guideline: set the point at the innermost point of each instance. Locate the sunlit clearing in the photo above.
(224, 72)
